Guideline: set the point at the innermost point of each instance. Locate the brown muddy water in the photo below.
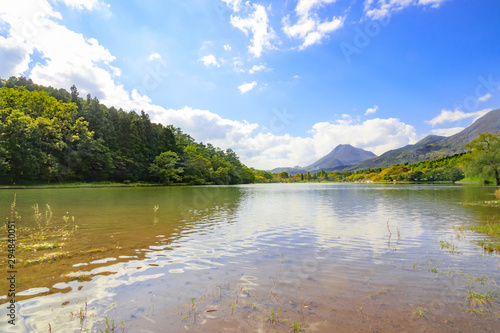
(257, 258)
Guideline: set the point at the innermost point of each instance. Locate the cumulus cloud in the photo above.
(204, 125)
(79, 60)
(371, 110)
(234, 4)
(154, 56)
(447, 131)
(376, 135)
(257, 68)
(379, 9)
(309, 27)
(484, 98)
(209, 60)
(82, 4)
(227, 47)
(246, 87)
(451, 116)
(263, 149)
(256, 24)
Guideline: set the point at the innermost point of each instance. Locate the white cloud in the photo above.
(235, 4)
(154, 56)
(309, 28)
(451, 116)
(257, 68)
(246, 87)
(376, 135)
(227, 47)
(209, 60)
(263, 149)
(204, 125)
(447, 131)
(82, 4)
(79, 60)
(484, 98)
(237, 64)
(258, 25)
(380, 9)
(371, 110)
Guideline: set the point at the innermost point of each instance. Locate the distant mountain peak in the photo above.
(343, 154)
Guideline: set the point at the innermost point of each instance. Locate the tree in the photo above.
(283, 175)
(484, 161)
(164, 168)
(196, 166)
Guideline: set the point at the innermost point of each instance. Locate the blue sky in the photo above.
(280, 82)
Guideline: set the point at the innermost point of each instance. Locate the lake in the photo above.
(257, 258)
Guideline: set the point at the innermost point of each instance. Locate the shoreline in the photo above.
(83, 185)
(110, 185)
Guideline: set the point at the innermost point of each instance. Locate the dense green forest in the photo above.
(52, 135)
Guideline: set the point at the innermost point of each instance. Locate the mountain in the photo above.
(342, 155)
(434, 146)
(339, 158)
(291, 171)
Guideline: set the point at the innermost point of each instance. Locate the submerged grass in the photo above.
(43, 242)
(485, 203)
(491, 229)
(42, 246)
(420, 312)
(479, 303)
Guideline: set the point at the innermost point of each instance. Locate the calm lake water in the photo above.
(260, 258)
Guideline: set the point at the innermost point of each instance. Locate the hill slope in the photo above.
(340, 155)
(434, 146)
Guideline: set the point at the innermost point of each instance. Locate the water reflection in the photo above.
(293, 247)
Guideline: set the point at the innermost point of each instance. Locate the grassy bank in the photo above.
(490, 228)
(81, 185)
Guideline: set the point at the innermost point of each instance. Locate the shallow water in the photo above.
(260, 258)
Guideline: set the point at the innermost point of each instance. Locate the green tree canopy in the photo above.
(164, 167)
(485, 158)
(49, 134)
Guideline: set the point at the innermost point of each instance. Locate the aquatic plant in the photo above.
(274, 316)
(478, 300)
(296, 327)
(449, 247)
(46, 235)
(492, 229)
(155, 209)
(433, 270)
(420, 312)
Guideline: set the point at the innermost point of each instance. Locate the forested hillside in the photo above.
(49, 135)
(441, 169)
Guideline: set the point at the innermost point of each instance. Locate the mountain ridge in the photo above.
(430, 147)
(434, 146)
